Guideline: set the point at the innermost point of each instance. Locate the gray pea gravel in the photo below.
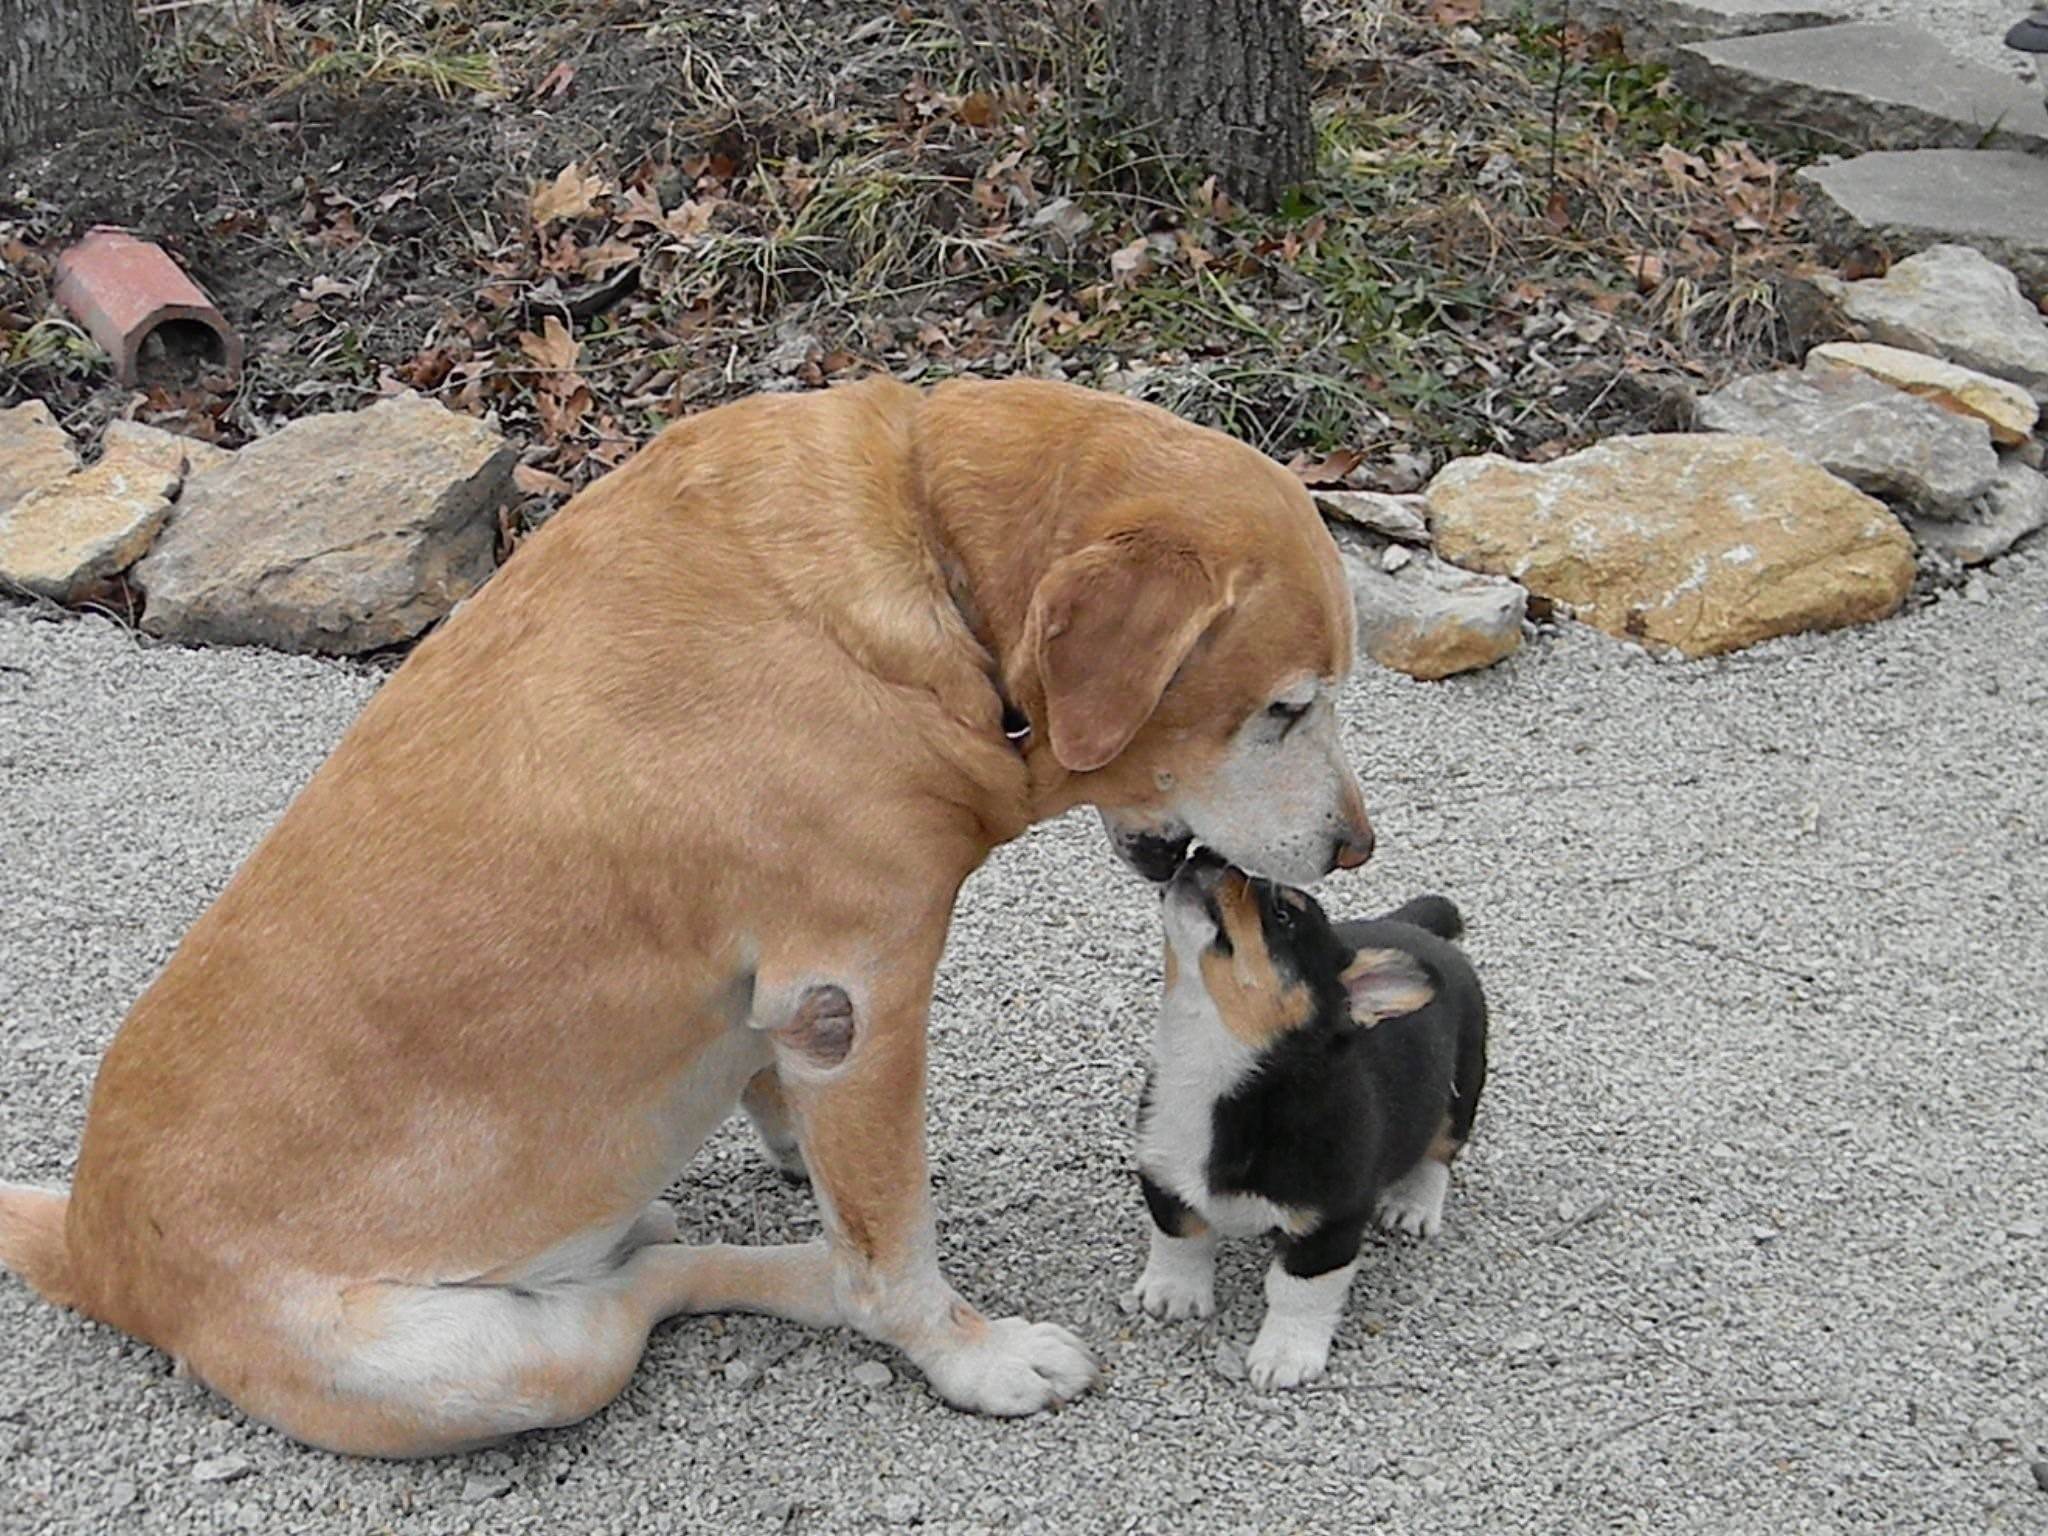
(1750, 1238)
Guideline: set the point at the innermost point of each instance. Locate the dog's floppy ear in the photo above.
(1384, 984)
(1109, 625)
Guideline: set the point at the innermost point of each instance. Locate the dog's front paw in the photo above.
(1011, 1367)
(1282, 1358)
(1174, 1295)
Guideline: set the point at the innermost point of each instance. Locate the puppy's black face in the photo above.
(1264, 953)
(1268, 960)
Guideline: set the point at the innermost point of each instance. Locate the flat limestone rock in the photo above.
(1696, 543)
(1878, 438)
(1871, 84)
(34, 450)
(67, 538)
(1395, 517)
(2015, 506)
(188, 455)
(340, 533)
(1951, 302)
(1995, 200)
(2008, 410)
(1426, 618)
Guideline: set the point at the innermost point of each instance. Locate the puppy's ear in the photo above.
(1384, 984)
(1108, 627)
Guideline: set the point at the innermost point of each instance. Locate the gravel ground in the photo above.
(1750, 1239)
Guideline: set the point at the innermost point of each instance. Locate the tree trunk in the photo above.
(1223, 83)
(59, 58)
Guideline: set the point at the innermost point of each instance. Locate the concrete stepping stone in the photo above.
(1909, 199)
(1652, 30)
(1872, 85)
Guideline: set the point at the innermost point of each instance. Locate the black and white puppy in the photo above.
(1307, 1078)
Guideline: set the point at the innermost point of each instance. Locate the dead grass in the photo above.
(1516, 242)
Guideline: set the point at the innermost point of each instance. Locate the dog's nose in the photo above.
(1354, 850)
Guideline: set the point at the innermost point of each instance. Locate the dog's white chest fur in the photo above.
(1195, 1062)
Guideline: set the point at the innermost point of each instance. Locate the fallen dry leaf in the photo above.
(538, 482)
(554, 349)
(571, 195)
(1133, 262)
(1329, 469)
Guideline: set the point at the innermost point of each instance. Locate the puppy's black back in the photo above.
(1339, 1109)
(1445, 1041)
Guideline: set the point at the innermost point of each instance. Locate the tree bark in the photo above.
(1223, 83)
(60, 58)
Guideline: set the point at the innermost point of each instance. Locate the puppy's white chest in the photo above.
(1196, 1062)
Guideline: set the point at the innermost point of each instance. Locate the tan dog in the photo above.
(678, 805)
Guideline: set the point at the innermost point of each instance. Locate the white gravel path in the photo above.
(1751, 1237)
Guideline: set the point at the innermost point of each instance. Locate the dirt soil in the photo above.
(593, 218)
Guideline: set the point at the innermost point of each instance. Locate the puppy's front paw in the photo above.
(1012, 1367)
(1179, 1278)
(1282, 1358)
(1175, 1295)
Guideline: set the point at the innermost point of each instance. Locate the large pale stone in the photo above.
(1949, 301)
(2015, 506)
(1877, 438)
(1874, 85)
(34, 450)
(1702, 544)
(341, 533)
(1995, 200)
(1420, 616)
(2006, 409)
(67, 538)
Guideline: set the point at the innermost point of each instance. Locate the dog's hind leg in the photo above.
(1414, 1202)
(426, 1370)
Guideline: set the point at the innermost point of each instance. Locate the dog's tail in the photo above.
(32, 1242)
(1434, 914)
